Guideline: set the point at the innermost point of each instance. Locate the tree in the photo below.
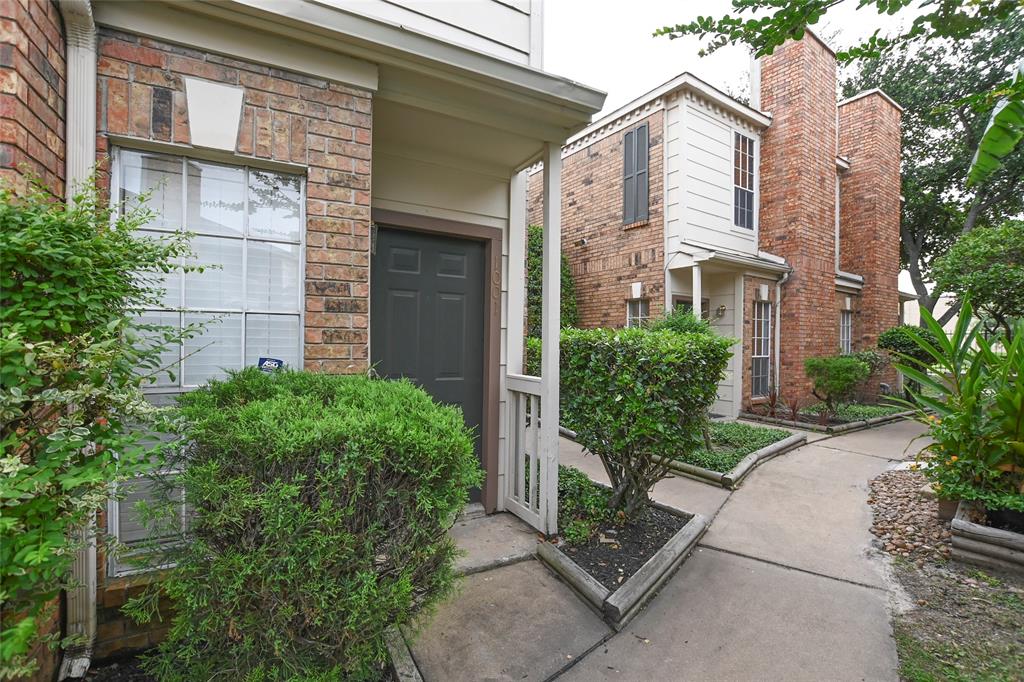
(934, 82)
(535, 285)
(987, 266)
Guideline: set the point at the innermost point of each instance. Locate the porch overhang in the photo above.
(725, 261)
(907, 296)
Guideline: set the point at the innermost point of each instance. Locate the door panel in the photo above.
(427, 300)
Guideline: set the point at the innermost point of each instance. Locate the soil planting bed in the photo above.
(617, 552)
(957, 622)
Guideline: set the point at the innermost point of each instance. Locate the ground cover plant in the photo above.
(636, 398)
(320, 510)
(731, 442)
(974, 409)
(853, 412)
(73, 355)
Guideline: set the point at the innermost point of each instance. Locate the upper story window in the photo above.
(635, 181)
(743, 181)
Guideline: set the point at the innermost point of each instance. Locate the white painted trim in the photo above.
(550, 324)
(80, 141)
(873, 91)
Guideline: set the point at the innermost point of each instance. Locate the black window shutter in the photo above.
(629, 178)
(642, 183)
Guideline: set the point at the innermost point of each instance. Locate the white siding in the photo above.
(510, 29)
(699, 177)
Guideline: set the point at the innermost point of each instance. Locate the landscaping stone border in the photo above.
(831, 429)
(402, 663)
(990, 547)
(732, 478)
(620, 606)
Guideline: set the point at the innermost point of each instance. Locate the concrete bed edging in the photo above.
(831, 430)
(402, 663)
(733, 477)
(620, 606)
(989, 547)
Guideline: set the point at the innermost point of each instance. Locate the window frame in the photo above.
(761, 347)
(631, 155)
(845, 332)
(741, 172)
(116, 565)
(639, 319)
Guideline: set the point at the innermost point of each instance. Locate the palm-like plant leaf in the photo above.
(1003, 134)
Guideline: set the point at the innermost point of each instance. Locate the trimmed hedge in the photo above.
(321, 508)
(898, 341)
(568, 314)
(637, 398)
(835, 378)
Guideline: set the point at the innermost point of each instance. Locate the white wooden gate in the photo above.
(531, 476)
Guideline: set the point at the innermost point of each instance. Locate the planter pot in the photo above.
(990, 547)
(620, 606)
(947, 508)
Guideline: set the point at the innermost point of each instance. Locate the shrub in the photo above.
(681, 321)
(535, 285)
(901, 341)
(976, 418)
(69, 386)
(835, 379)
(321, 506)
(582, 505)
(637, 398)
(533, 351)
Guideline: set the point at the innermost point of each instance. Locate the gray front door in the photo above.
(427, 317)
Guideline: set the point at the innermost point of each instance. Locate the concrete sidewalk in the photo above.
(785, 585)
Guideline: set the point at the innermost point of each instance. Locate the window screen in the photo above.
(760, 371)
(638, 312)
(743, 181)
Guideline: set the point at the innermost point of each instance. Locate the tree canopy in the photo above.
(987, 266)
(941, 131)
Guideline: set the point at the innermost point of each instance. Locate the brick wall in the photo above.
(869, 136)
(798, 176)
(288, 117)
(32, 93)
(614, 256)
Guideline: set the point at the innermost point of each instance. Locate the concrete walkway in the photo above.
(784, 586)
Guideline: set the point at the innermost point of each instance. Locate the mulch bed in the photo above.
(958, 622)
(122, 670)
(906, 523)
(616, 552)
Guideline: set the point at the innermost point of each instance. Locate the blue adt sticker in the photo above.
(270, 364)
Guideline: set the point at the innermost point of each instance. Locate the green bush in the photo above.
(321, 506)
(70, 355)
(582, 505)
(533, 351)
(901, 341)
(834, 379)
(637, 398)
(681, 321)
(535, 285)
(974, 410)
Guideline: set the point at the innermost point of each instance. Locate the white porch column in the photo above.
(550, 323)
(697, 312)
(516, 271)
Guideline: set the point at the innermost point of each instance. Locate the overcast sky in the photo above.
(607, 44)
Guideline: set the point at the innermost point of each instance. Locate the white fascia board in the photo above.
(383, 42)
(684, 81)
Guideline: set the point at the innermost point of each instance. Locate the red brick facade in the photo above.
(32, 93)
(798, 180)
(614, 255)
(287, 117)
(869, 137)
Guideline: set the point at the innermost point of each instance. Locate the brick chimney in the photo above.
(797, 208)
(869, 215)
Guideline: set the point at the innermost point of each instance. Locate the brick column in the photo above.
(869, 225)
(32, 93)
(797, 211)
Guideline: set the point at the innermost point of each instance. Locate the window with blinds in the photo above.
(635, 181)
(846, 331)
(249, 226)
(761, 350)
(743, 181)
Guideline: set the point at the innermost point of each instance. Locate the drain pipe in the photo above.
(778, 327)
(80, 143)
